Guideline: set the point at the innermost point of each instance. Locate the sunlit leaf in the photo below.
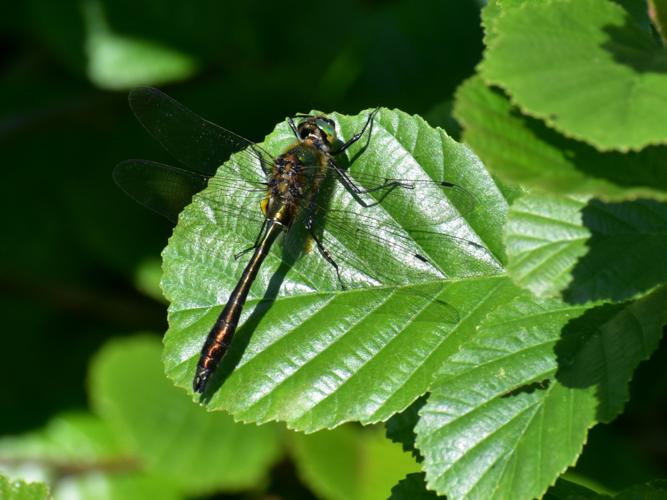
(522, 149)
(315, 355)
(512, 408)
(586, 250)
(583, 66)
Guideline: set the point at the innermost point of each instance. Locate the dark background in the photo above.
(79, 261)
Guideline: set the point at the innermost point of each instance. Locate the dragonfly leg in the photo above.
(293, 127)
(254, 245)
(350, 185)
(358, 135)
(320, 247)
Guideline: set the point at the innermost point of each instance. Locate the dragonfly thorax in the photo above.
(294, 181)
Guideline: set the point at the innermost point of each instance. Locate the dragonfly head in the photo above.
(319, 128)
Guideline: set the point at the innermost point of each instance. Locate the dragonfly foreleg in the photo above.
(293, 127)
(358, 135)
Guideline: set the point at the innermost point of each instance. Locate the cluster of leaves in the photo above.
(145, 439)
(553, 318)
(83, 262)
(569, 101)
(551, 285)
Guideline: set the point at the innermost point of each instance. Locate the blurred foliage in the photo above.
(79, 268)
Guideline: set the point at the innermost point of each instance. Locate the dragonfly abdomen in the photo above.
(220, 337)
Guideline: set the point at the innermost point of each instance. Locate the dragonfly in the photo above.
(286, 194)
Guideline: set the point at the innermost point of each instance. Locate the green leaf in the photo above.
(20, 490)
(118, 62)
(412, 487)
(80, 456)
(512, 408)
(524, 150)
(568, 490)
(586, 250)
(128, 486)
(585, 67)
(196, 450)
(71, 442)
(350, 463)
(147, 278)
(653, 490)
(314, 355)
(490, 13)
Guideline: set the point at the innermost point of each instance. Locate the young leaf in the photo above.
(586, 250)
(511, 410)
(585, 67)
(308, 352)
(196, 450)
(524, 150)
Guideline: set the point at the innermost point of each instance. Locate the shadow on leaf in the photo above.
(625, 251)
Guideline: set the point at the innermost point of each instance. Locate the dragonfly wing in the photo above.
(161, 188)
(200, 145)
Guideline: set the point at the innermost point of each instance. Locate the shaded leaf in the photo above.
(401, 427)
(511, 410)
(522, 149)
(568, 490)
(196, 450)
(585, 67)
(586, 250)
(350, 463)
(412, 487)
(658, 14)
(314, 355)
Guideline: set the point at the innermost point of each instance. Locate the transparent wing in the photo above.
(167, 190)
(411, 193)
(200, 145)
(161, 188)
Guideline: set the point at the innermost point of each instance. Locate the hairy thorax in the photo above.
(294, 181)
